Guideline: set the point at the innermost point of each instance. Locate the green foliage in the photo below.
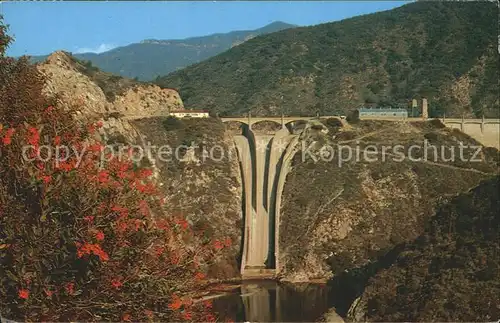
(4, 38)
(172, 124)
(420, 49)
(451, 272)
(353, 117)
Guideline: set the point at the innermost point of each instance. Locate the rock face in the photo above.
(451, 273)
(94, 93)
(73, 88)
(202, 180)
(340, 213)
(332, 317)
(147, 100)
(207, 193)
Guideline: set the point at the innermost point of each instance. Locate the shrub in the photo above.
(334, 123)
(173, 123)
(80, 239)
(353, 117)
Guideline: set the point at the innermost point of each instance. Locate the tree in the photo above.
(5, 39)
(85, 240)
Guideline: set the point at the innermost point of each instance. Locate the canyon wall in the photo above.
(340, 213)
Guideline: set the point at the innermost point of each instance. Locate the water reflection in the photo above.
(268, 301)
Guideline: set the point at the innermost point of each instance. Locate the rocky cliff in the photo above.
(341, 212)
(449, 273)
(92, 92)
(201, 179)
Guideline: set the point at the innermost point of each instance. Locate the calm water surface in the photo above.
(269, 301)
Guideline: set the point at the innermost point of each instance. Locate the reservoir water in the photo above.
(269, 301)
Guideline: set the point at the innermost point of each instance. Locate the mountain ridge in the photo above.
(274, 26)
(446, 52)
(152, 57)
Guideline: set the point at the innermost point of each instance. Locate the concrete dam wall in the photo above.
(264, 167)
(486, 131)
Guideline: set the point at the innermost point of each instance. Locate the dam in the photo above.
(265, 162)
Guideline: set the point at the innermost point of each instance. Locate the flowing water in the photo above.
(269, 301)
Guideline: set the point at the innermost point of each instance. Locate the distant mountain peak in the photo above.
(269, 28)
(279, 24)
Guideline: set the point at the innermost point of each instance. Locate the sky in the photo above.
(41, 27)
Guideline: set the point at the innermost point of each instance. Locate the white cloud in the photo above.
(99, 49)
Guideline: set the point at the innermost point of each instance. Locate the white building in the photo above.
(189, 114)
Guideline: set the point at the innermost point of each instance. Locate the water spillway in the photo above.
(261, 159)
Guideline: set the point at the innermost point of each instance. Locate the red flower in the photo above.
(183, 223)
(24, 293)
(122, 227)
(145, 173)
(49, 109)
(7, 140)
(67, 166)
(99, 235)
(187, 316)
(91, 129)
(159, 251)
(116, 283)
(87, 249)
(175, 258)
(140, 187)
(210, 318)
(137, 224)
(34, 136)
(96, 148)
(57, 140)
(162, 225)
(126, 317)
(89, 218)
(143, 208)
(199, 276)
(70, 288)
(121, 210)
(103, 176)
(176, 303)
(218, 245)
(46, 179)
(99, 124)
(207, 304)
(48, 292)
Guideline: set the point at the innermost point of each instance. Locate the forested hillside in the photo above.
(451, 272)
(445, 51)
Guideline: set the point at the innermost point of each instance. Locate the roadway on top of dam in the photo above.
(287, 119)
(279, 119)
